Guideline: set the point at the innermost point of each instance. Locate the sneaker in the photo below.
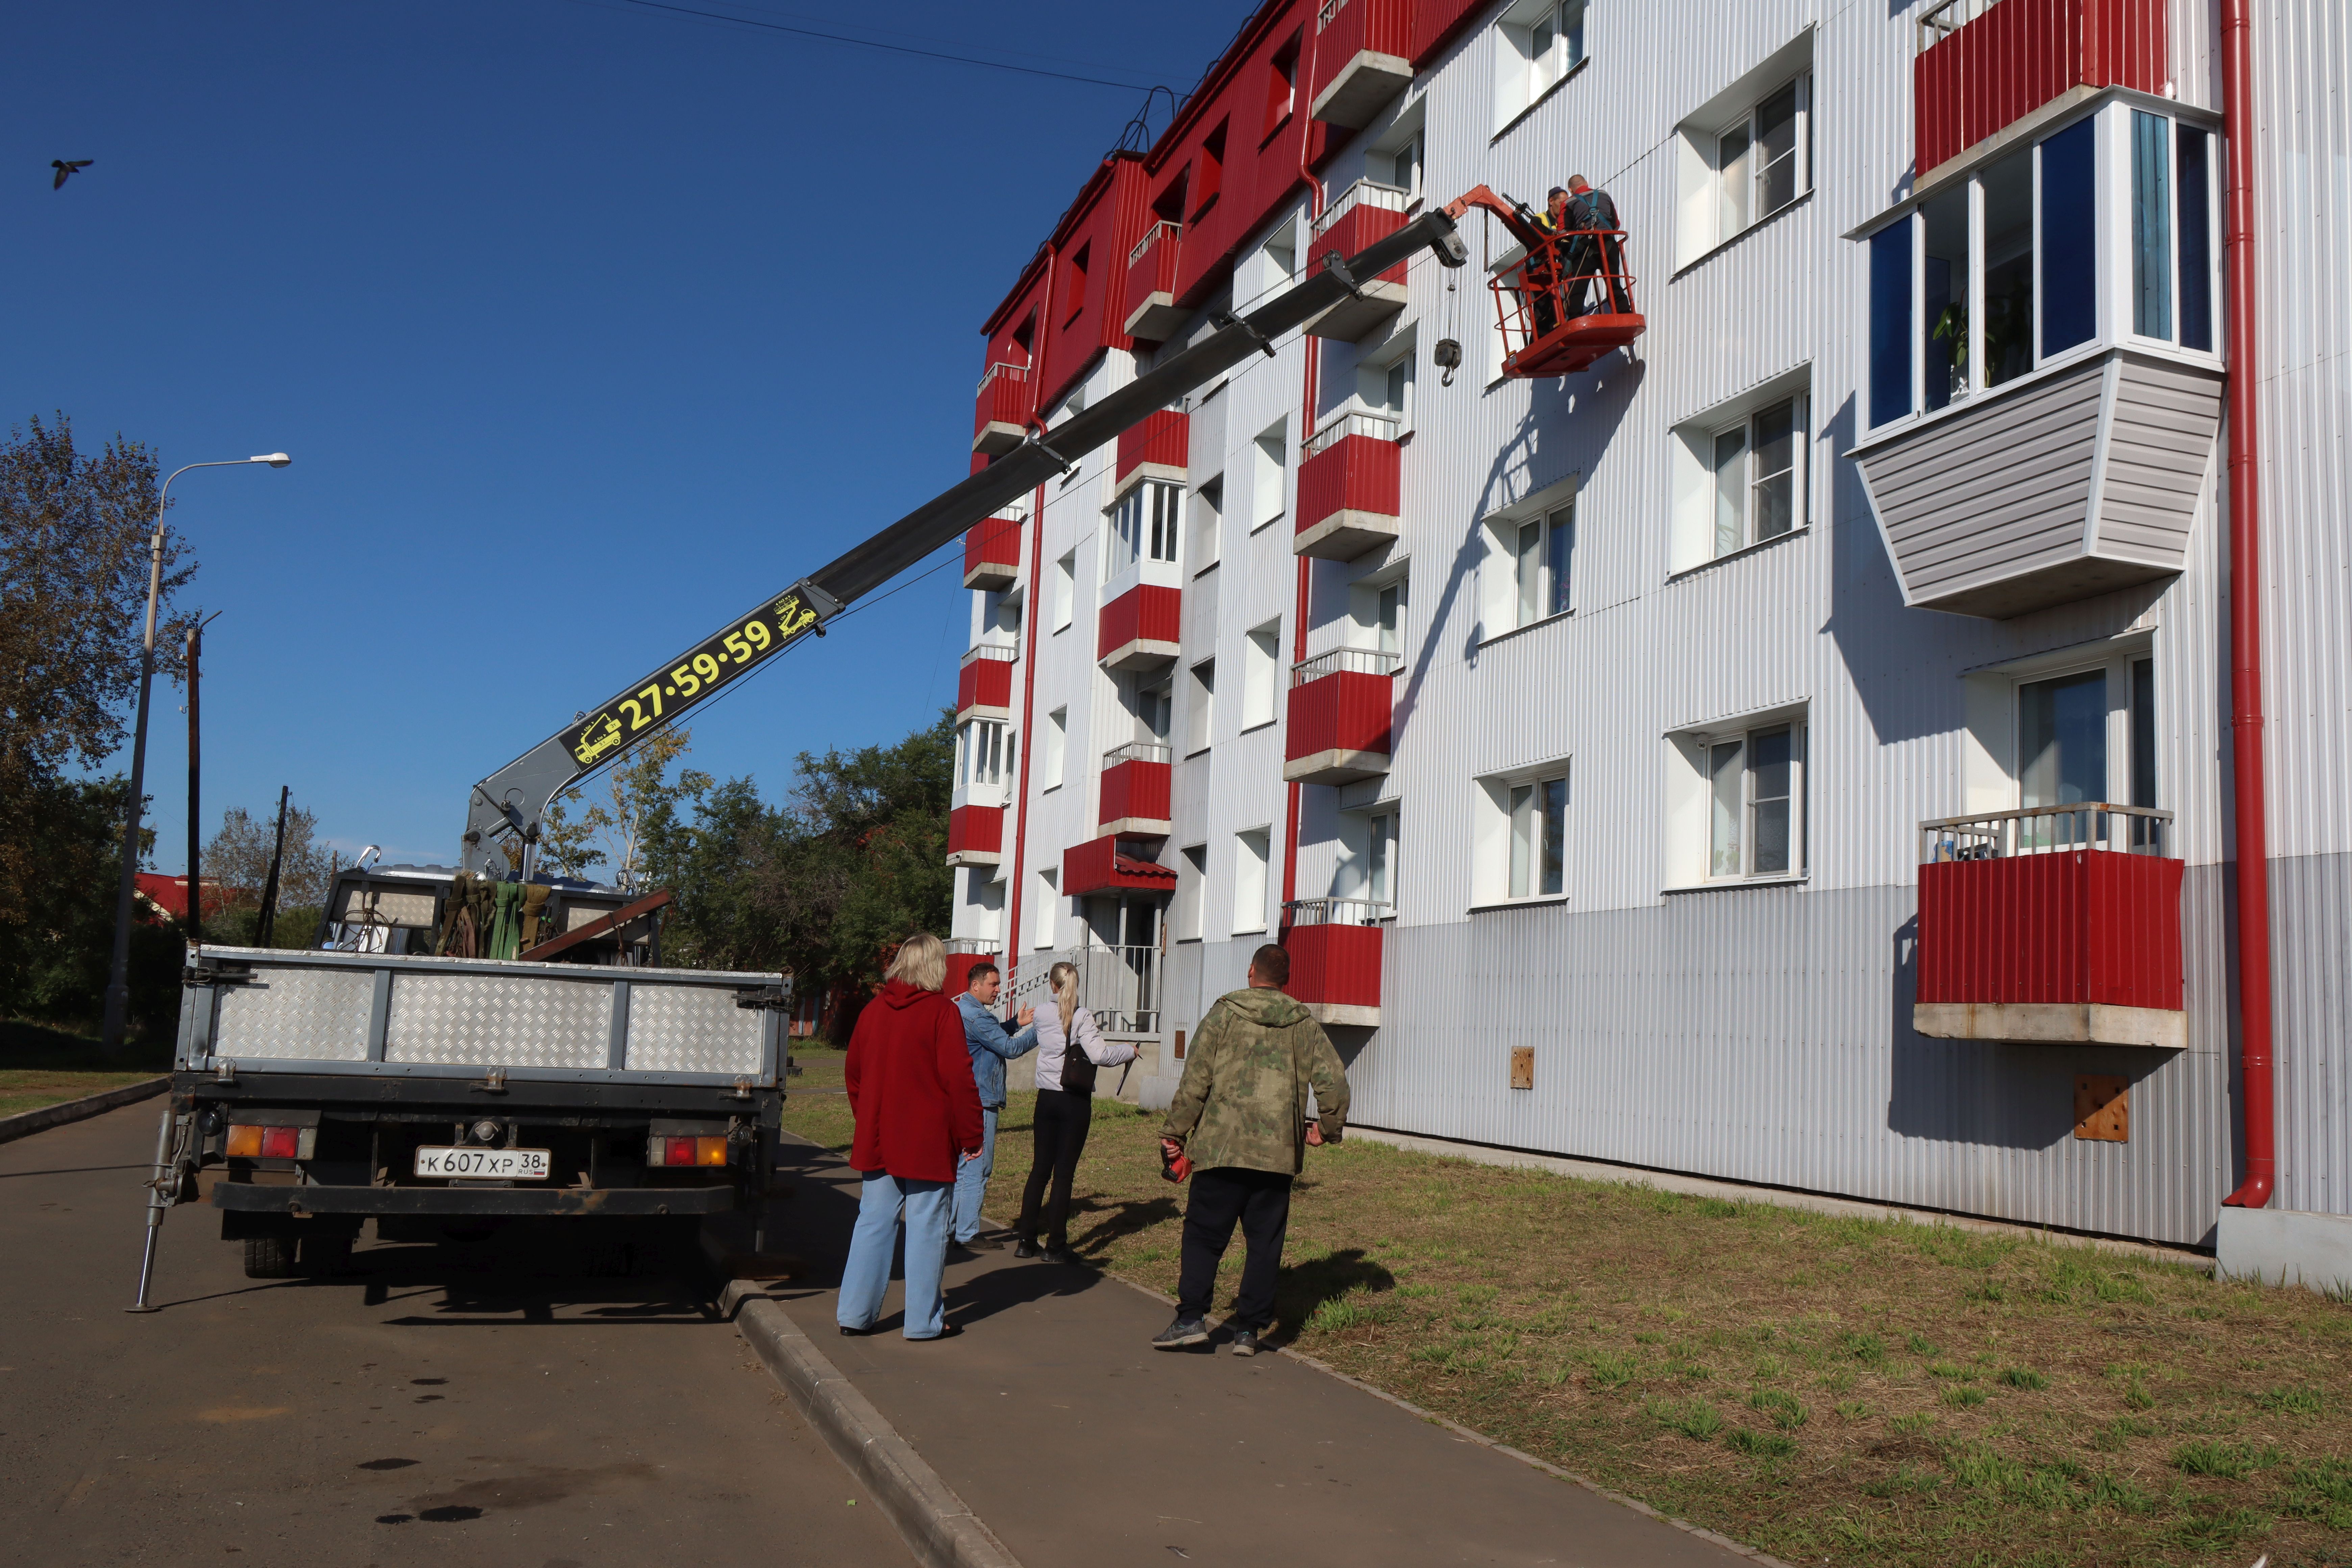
(1182, 1332)
(1025, 1247)
(1246, 1343)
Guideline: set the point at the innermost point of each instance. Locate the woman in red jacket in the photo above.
(910, 1088)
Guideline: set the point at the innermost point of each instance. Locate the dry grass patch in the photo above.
(1829, 1390)
(41, 1067)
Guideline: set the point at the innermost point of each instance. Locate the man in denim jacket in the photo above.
(991, 1045)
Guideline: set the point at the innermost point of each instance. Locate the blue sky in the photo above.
(587, 326)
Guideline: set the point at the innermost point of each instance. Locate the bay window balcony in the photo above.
(984, 684)
(2043, 380)
(1349, 482)
(1108, 865)
(1157, 446)
(1135, 791)
(975, 834)
(1364, 212)
(1335, 959)
(1140, 622)
(1363, 57)
(1983, 65)
(1004, 411)
(992, 551)
(2052, 925)
(1341, 713)
(1152, 313)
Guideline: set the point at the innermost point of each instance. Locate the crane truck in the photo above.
(564, 1073)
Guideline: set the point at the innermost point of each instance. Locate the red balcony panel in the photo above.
(1363, 57)
(960, 968)
(1135, 796)
(2080, 926)
(1335, 972)
(1141, 627)
(1436, 23)
(1004, 408)
(984, 683)
(1098, 866)
(1339, 727)
(991, 553)
(975, 834)
(1355, 229)
(1157, 446)
(1150, 312)
(1347, 497)
(2021, 54)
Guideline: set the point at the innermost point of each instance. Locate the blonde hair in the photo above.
(1064, 979)
(922, 962)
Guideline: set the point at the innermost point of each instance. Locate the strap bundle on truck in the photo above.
(442, 1094)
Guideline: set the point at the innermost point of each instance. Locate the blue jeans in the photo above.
(971, 1178)
(929, 1207)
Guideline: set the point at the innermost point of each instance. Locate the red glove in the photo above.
(1174, 1163)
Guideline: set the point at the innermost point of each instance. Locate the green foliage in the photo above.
(2321, 1493)
(2020, 1377)
(1762, 1445)
(1867, 1347)
(1782, 1409)
(2229, 1461)
(2291, 1401)
(1963, 1397)
(54, 957)
(1696, 1419)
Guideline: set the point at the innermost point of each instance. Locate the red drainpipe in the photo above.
(1029, 628)
(2257, 1103)
(1305, 89)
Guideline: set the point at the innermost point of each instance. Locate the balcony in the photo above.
(1347, 488)
(1157, 446)
(1340, 704)
(1135, 784)
(1335, 959)
(1152, 312)
(964, 954)
(984, 684)
(1101, 866)
(1983, 65)
(1140, 628)
(1004, 408)
(1365, 210)
(1363, 57)
(2056, 925)
(975, 834)
(992, 552)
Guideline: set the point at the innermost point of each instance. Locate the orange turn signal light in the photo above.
(244, 1143)
(686, 1150)
(251, 1142)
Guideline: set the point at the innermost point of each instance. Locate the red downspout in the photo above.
(1306, 428)
(2256, 1107)
(1029, 627)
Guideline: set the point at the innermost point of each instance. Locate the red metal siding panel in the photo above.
(1335, 964)
(1379, 26)
(1134, 789)
(2086, 926)
(1154, 272)
(1355, 473)
(1436, 23)
(1358, 227)
(984, 683)
(960, 968)
(975, 827)
(1097, 866)
(1345, 710)
(995, 538)
(2019, 55)
(1147, 613)
(1162, 437)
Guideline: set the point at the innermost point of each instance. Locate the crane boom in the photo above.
(509, 803)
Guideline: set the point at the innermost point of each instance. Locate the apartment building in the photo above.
(1797, 747)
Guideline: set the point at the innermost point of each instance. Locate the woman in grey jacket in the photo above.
(1069, 1049)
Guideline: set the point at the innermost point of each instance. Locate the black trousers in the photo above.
(1260, 1202)
(1057, 1137)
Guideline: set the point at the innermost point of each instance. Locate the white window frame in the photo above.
(1499, 597)
(983, 753)
(1253, 860)
(1261, 675)
(1191, 891)
(1155, 700)
(1144, 524)
(1538, 43)
(1734, 792)
(1201, 712)
(1044, 921)
(1739, 177)
(1208, 523)
(1691, 800)
(1056, 748)
(1517, 815)
(1066, 590)
(1740, 526)
(1695, 536)
(1538, 557)
(1701, 223)
(1386, 385)
(1270, 474)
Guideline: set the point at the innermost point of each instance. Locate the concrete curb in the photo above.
(937, 1525)
(24, 1123)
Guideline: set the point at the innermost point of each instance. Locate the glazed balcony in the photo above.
(1349, 483)
(2056, 925)
(1335, 959)
(1152, 312)
(975, 834)
(992, 552)
(1004, 411)
(1983, 65)
(1364, 212)
(1140, 627)
(1135, 791)
(1104, 865)
(1363, 57)
(984, 684)
(1157, 446)
(1341, 704)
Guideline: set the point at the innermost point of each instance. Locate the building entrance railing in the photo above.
(1119, 986)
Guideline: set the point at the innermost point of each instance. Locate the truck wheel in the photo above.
(269, 1258)
(326, 1256)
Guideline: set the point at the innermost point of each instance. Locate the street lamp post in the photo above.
(118, 982)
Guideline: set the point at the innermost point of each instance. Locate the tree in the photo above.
(639, 793)
(239, 859)
(55, 953)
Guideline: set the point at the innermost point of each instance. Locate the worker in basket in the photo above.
(1590, 218)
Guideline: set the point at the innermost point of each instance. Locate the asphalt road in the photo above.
(432, 1408)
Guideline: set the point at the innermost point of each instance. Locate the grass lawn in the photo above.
(42, 1067)
(1827, 1390)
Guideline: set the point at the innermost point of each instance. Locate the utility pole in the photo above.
(195, 813)
(267, 925)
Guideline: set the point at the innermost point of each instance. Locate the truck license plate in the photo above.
(484, 1164)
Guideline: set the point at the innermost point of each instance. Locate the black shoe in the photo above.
(982, 1244)
(848, 1332)
(1025, 1247)
(1182, 1332)
(1246, 1343)
(1060, 1254)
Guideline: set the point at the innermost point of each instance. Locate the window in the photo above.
(1066, 590)
(1541, 550)
(1000, 616)
(1267, 458)
(1400, 167)
(2171, 232)
(2143, 732)
(1260, 660)
(1380, 856)
(1755, 821)
(1191, 891)
(1047, 919)
(1144, 526)
(1073, 284)
(1387, 388)
(1760, 158)
(1281, 86)
(1540, 42)
(1154, 706)
(983, 754)
(2193, 227)
(1207, 523)
(1252, 849)
(1201, 714)
(1755, 463)
(1058, 740)
(2062, 740)
(1209, 170)
(1366, 867)
(1745, 153)
(1538, 811)
(1388, 619)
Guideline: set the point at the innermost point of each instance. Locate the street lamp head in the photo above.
(275, 459)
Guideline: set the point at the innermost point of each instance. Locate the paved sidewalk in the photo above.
(1081, 1447)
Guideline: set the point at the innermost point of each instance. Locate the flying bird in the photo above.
(65, 169)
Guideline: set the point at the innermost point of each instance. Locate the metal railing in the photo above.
(1355, 422)
(1330, 8)
(974, 946)
(1004, 652)
(1137, 751)
(1339, 911)
(1345, 660)
(1366, 193)
(1005, 368)
(1172, 229)
(1937, 22)
(2047, 830)
(1119, 986)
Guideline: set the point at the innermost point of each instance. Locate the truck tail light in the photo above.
(244, 1143)
(686, 1151)
(250, 1142)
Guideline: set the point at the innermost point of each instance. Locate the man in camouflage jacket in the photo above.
(1240, 1119)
